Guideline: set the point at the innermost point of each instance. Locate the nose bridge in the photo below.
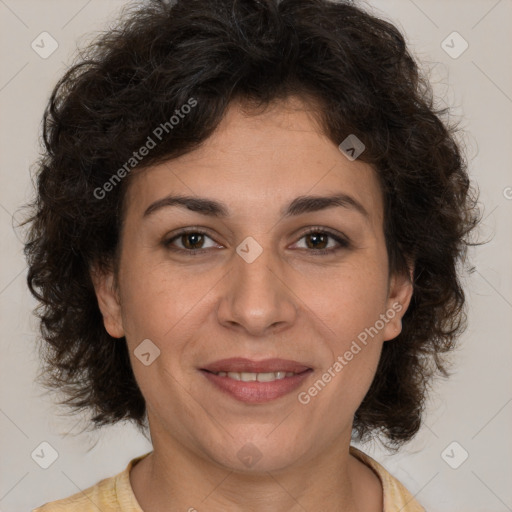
(255, 267)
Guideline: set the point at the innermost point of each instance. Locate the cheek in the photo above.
(167, 307)
(152, 297)
(350, 300)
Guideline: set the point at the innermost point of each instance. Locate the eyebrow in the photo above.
(299, 206)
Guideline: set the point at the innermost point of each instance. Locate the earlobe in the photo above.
(108, 301)
(400, 294)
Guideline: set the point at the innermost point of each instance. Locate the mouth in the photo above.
(256, 381)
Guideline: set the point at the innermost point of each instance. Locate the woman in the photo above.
(246, 239)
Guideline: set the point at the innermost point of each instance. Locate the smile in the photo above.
(256, 388)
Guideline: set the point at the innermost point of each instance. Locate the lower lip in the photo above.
(257, 392)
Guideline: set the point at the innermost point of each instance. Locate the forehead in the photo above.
(255, 163)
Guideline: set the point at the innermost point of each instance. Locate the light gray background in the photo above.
(473, 408)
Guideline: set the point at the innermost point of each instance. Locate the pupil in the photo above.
(315, 238)
(192, 236)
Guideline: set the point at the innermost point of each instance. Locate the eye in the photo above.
(317, 241)
(192, 241)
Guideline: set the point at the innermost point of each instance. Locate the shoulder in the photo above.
(101, 495)
(396, 496)
(108, 495)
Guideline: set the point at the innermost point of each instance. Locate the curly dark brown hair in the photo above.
(353, 67)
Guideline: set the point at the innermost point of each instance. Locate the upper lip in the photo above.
(240, 364)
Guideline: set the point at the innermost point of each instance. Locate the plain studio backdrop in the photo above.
(460, 459)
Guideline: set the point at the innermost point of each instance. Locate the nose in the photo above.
(256, 297)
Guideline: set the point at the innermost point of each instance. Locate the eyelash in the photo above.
(343, 242)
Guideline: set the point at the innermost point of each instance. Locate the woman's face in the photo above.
(258, 287)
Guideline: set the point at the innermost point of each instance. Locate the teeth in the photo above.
(253, 377)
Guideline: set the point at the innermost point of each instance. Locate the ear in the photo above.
(108, 301)
(399, 297)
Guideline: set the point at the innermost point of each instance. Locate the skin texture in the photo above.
(289, 303)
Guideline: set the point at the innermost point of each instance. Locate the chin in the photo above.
(258, 455)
